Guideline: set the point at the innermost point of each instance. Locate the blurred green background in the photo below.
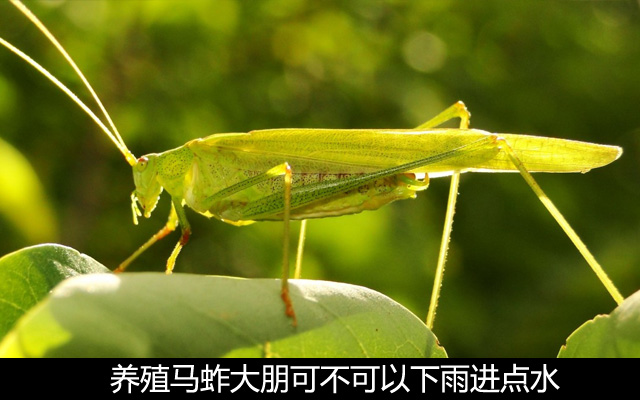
(171, 71)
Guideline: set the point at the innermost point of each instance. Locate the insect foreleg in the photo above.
(582, 248)
(169, 227)
(186, 232)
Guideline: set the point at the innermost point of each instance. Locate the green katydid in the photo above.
(284, 174)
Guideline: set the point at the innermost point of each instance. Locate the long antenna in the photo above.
(112, 134)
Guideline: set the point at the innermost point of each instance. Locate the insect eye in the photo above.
(142, 163)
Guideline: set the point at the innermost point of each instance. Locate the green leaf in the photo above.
(29, 274)
(613, 335)
(154, 315)
(22, 199)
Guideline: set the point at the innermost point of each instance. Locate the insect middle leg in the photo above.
(283, 169)
(284, 291)
(308, 199)
(297, 273)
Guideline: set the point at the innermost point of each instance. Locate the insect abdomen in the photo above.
(312, 200)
